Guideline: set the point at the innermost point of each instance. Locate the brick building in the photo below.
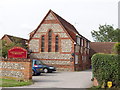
(9, 39)
(101, 47)
(56, 42)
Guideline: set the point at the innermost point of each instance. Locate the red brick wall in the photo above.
(18, 69)
(7, 40)
(84, 61)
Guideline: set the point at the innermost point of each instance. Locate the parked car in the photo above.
(36, 67)
(43, 67)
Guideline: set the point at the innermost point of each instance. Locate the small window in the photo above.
(82, 58)
(77, 48)
(50, 41)
(88, 45)
(84, 51)
(87, 51)
(78, 40)
(85, 43)
(82, 42)
(42, 44)
(76, 59)
(81, 49)
(85, 58)
(56, 44)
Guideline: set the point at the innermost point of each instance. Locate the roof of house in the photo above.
(102, 47)
(31, 33)
(69, 27)
(12, 38)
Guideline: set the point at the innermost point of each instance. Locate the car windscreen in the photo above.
(38, 62)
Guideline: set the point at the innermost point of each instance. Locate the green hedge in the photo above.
(116, 48)
(106, 67)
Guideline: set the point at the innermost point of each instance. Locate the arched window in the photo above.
(42, 44)
(56, 43)
(50, 41)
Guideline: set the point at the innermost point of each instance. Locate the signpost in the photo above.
(17, 52)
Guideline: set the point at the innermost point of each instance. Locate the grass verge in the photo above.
(13, 83)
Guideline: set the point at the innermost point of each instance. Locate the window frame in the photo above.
(78, 40)
(57, 43)
(42, 44)
(76, 59)
(50, 41)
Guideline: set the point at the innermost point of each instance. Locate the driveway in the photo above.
(81, 79)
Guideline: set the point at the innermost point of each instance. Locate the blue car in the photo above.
(36, 67)
(39, 67)
(47, 68)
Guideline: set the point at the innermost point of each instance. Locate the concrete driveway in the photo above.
(81, 79)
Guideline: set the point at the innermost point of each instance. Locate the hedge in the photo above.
(106, 67)
(116, 48)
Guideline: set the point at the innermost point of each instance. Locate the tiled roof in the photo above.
(101, 47)
(12, 38)
(31, 33)
(69, 27)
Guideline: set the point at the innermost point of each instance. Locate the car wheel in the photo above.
(33, 73)
(45, 70)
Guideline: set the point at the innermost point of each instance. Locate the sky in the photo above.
(20, 17)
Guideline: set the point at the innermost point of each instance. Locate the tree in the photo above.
(106, 33)
(5, 47)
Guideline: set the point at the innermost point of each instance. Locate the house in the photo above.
(9, 39)
(101, 47)
(56, 42)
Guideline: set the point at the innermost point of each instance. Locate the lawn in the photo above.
(13, 83)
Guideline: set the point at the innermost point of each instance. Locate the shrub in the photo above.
(106, 67)
(116, 48)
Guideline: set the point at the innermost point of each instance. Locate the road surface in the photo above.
(81, 79)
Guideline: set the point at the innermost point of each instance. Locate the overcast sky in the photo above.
(20, 17)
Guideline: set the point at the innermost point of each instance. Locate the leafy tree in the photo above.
(106, 33)
(5, 47)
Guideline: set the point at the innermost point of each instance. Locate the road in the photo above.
(81, 79)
